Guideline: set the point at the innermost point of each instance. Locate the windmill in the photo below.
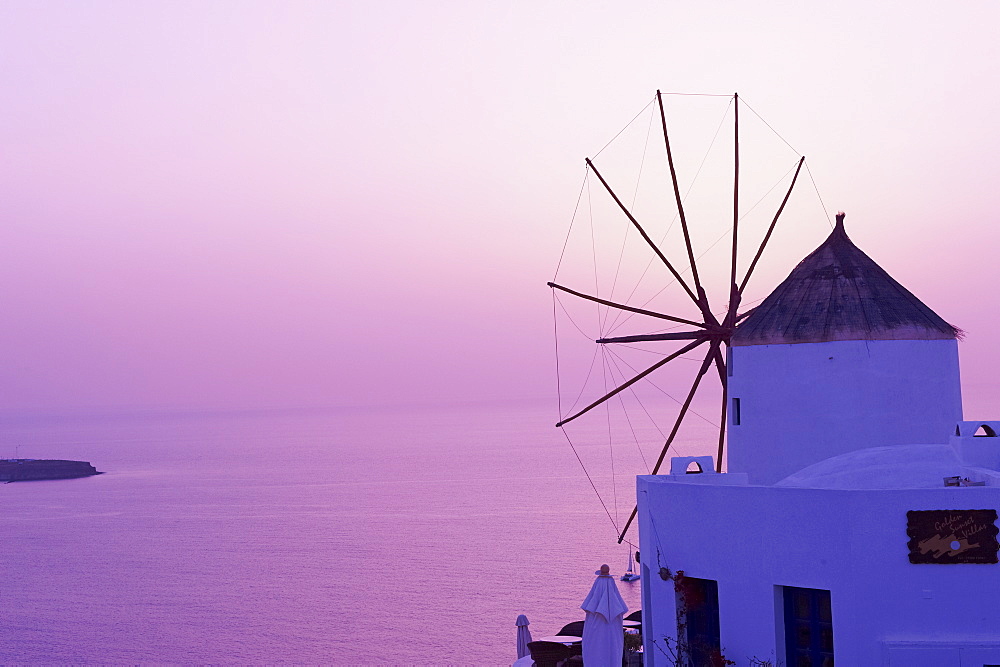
(708, 333)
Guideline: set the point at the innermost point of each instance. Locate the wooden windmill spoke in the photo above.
(720, 365)
(702, 301)
(642, 338)
(684, 407)
(626, 385)
(645, 236)
(734, 293)
(622, 306)
(715, 330)
(631, 518)
(677, 425)
(770, 229)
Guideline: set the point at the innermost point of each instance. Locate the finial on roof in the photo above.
(840, 219)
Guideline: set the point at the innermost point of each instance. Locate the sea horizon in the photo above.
(206, 526)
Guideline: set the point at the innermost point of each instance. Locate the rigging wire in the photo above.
(604, 362)
(665, 392)
(611, 446)
(769, 126)
(555, 336)
(593, 251)
(569, 231)
(635, 437)
(555, 329)
(610, 358)
(818, 195)
(628, 419)
(570, 317)
(583, 467)
(658, 353)
(632, 368)
(635, 195)
(616, 324)
(642, 161)
(586, 381)
(593, 359)
(600, 329)
(651, 420)
(718, 314)
(815, 187)
(700, 94)
(558, 301)
(673, 221)
(624, 128)
(726, 233)
(589, 479)
(610, 367)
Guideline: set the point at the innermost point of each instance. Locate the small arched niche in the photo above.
(691, 465)
(985, 431)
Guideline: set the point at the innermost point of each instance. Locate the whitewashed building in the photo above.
(856, 521)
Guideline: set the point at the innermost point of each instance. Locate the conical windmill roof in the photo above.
(839, 293)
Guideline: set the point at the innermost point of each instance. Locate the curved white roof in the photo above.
(895, 467)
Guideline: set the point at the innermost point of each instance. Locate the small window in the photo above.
(729, 361)
(736, 412)
(693, 468)
(984, 431)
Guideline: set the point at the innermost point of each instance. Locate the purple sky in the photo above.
(294, 203)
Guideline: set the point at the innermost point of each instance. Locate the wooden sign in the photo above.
(952, 536)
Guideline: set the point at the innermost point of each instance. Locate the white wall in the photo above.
(852, 543)
(803, 403)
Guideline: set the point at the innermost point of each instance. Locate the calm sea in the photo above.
(389, 536)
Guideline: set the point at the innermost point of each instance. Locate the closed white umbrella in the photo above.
(523, 636)
(603, 636)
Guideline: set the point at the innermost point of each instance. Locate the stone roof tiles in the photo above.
(839, 293)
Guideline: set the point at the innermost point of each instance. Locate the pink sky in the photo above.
(294, 203)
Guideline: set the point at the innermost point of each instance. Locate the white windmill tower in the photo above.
(840, 357)
(858, 514)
